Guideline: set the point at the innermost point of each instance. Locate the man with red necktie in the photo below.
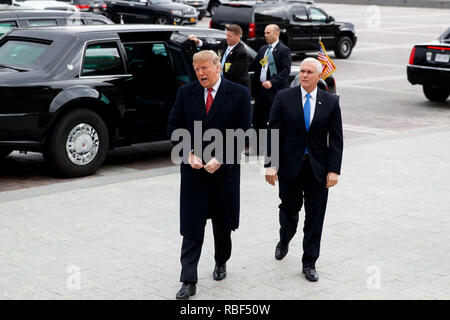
(210, 186)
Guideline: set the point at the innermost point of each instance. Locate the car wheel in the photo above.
(344, 48)
(4, 152)
(79, 143)
(434, 93)
(201, 15)
(161, 20)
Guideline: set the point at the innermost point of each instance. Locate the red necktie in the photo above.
(209, 100)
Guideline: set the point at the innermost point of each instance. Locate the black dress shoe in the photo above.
(187, 289)
(281, 251)
(311, 274)
(220, 272)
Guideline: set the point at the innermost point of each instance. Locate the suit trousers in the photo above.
(293, 193)
(191, 248)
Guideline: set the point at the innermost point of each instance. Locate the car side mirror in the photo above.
(330, 19)
(7, 2)
(144, 1)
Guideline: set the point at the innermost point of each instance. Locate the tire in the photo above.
(201, 15)
(79, 143)
(4, 152)
(436, 94)
(344, 48)
(161, 20)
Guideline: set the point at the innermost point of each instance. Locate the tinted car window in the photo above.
(11, 24)
(74, 22)
(23, 53)
(102, 59)
(42, 23)
(98, 22)
(5, 26)
(317, 15)
(299, 13)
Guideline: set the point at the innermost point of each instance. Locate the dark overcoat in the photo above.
(230, 110)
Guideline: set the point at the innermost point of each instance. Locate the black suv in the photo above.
(46, 18)
(302, 25)
(150, 11)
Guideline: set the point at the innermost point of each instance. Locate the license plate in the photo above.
(96, 10)
(442, 57)
(192, 20)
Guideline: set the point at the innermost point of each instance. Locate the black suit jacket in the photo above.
(230, 110)
(324, 138)
(238, 71)
(282, 57)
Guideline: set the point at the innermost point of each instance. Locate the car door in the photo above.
(301, 29)
(152, 88)
(322, 29)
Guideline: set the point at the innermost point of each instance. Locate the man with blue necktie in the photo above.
(310, 145)
(234, 60)
(271, 67)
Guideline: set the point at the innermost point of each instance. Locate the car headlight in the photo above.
(177, 12)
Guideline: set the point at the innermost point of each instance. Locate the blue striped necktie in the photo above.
(307, 114)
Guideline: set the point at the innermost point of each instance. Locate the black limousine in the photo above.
(75, 92)
(429, 66)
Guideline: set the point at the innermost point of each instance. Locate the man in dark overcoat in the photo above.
(210, 181)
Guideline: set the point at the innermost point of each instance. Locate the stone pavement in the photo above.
(386, 233)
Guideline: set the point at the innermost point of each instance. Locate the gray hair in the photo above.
(316, 63)
(206, 55)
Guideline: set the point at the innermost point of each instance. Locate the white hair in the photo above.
(316, 63)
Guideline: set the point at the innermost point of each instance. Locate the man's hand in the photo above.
(271, 175)
(193, 37)
(213, 165)
(195, 162)
(332, 179)
(267, 84)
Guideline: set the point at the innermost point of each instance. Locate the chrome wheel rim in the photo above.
(82, 144)
(345, 47)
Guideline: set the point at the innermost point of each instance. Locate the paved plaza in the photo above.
(386, 233)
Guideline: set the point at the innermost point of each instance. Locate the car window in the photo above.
(42, 23)
(317, 15)
(5, 26)
(102, 59)
(299, 13)
(95, 21)
(75, 22)
(22, 53)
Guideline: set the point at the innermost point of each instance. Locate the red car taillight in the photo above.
(251, 30)
(411, 57)
(210, 24)
(82, 6)
(104, 6)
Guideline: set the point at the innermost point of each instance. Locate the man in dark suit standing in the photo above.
(234, 60)
(210, 188)
(272, 67)
(311, 143)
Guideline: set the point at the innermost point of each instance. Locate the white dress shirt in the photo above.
(312, 102)
(263, 76)
(214, 91)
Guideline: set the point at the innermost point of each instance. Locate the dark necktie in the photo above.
(209, 100)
